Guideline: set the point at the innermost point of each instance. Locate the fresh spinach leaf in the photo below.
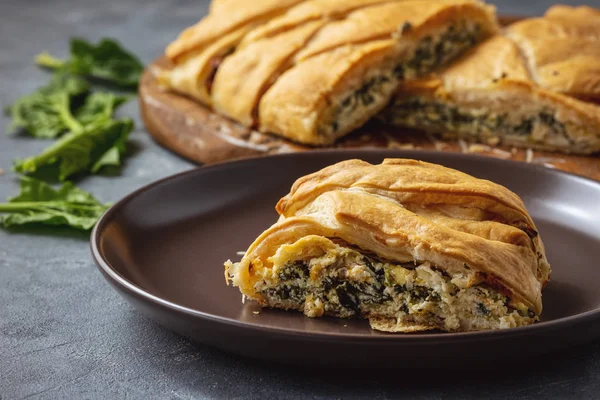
(97, 144)
(47, 112)
(39, 203)
(99, 106)
(106, 61)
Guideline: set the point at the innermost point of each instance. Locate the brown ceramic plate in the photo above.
(163, 247)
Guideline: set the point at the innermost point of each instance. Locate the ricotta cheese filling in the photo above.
(540, 126)
(377, 88)
(344, 282)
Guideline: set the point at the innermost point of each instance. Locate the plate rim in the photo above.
(116, 278)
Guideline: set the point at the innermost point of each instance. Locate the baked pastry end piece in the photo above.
(488, 96)
(408, 245)
(507, 112)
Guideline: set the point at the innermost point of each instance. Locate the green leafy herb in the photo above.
(107, 61)
(97, 144)
(99, 106)
(95, 139)
(46, 113)
(91, 137)
(39, 203)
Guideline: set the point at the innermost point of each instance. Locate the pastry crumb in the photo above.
(502, 153)
(439, 146)
(255, 312)
(479, 148)
(401, 146)
(493, 141)
(547, 160)
(240, 253)
(529, 155)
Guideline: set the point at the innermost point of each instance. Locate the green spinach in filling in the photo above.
(345, 297)
(420, 112)
(430, 52)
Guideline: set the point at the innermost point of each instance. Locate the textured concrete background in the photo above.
(64, 333)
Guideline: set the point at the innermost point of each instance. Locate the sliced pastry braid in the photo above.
(314, 70)
(529, 87)
(409, 245)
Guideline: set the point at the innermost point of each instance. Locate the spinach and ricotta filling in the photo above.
(438, 116)
(430, 52)
(347, 283)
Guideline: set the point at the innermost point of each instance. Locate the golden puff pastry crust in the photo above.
(302, 104)
(252, 65)
(562, 50)
(407, 244)
(244, 76)
(224, 17)
(516, 89)
(308, 11)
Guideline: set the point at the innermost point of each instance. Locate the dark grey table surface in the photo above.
(64, 333)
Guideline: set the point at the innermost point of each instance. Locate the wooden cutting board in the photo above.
(194, 132)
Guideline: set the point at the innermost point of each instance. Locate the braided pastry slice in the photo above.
(529, 87)
(314, 70)
(409, 245)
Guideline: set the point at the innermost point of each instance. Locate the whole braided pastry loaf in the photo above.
(412, 246)
(314, 70)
